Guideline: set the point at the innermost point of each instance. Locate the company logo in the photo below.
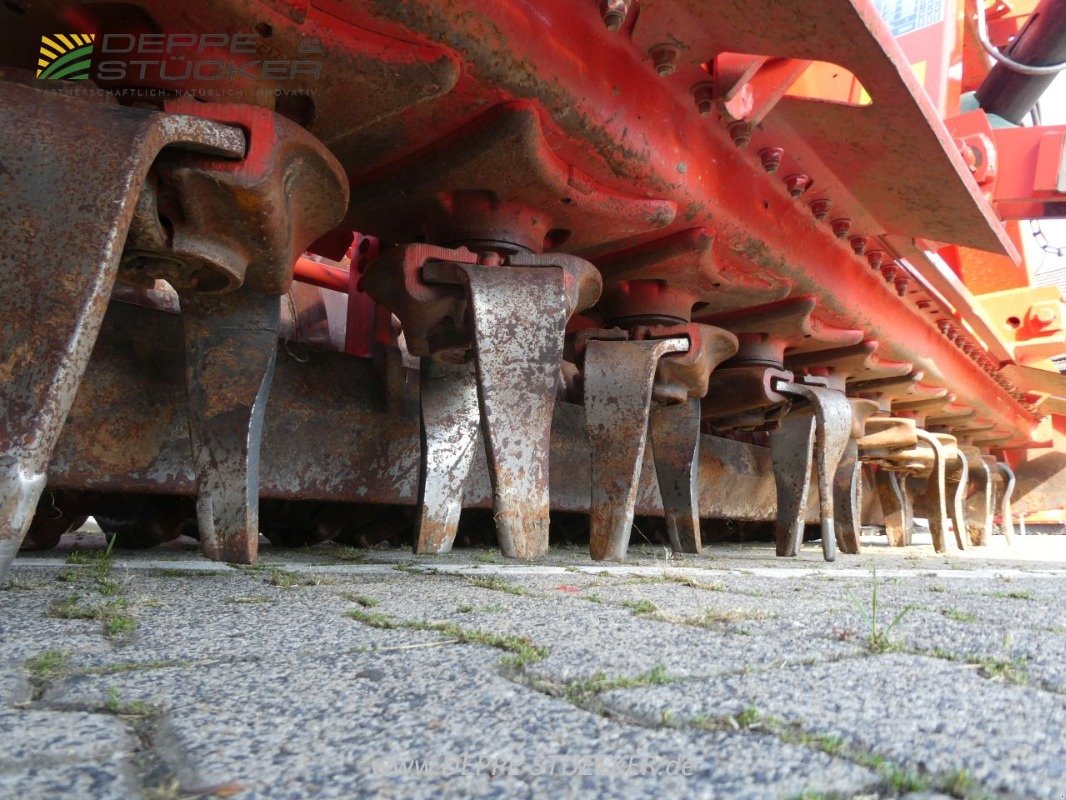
(65, 56)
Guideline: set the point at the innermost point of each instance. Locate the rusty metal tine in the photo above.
(618, 381)
(935, 496)
(980, 504)
(675, 444)
(450, 425)
(230, 352)
(847, 505)
(832, 414)
(961, 485)
(792, 452)
(1006, 512)
(51, 319)
(891, 492)
(518, 357)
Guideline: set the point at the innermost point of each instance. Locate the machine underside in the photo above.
(704, 262)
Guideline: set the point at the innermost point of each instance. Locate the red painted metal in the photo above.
(367, 322)
(318, 274)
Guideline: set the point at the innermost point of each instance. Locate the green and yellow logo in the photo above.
(65, 56)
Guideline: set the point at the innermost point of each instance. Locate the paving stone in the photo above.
(276, 689)
(34, 737)
(106, 779)
(316, 728)
(923, 713)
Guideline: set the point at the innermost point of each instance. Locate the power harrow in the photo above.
(296, 267)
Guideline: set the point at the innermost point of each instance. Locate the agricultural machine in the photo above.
(308, 268)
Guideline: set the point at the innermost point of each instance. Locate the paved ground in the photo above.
(332, 672)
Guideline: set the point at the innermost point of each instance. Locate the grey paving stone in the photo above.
(34, 737)
(340, 726)
(925, 714)
(105, 779)
(14, 686)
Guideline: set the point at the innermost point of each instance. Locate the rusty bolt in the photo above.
(771, 158)
(875, 257)
(923, 304)
(703, 94)
(797, 184)
(740, 133)
(820, 208)
(889, 272)
(841, 227)
(858, 244)
(615, 13)
(664, 59)
(901, 285)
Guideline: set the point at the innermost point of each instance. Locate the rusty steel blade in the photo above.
(979, 503)
(792, 449)
(1006, 513)
(847, 500)
(957, 485)
(935, 496)
(675, 440)
(230, 352)
(450, 424)
(618, 381)
(832, 414)
(48, 217)
(519, 316)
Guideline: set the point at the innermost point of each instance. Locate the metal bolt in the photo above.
(797, 184)
(901, 285)
(820, 208)
(703, 94)
(841, 227)
(875, 257)
(889, 272)
(771, 158)
(858, 244)
(740, 133)
(944, 326)
(923, 304)
(664, 59)
(615, 13)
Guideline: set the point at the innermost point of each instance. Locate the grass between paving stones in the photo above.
(896, 778)
(579, 691)
(112, 613)
(45, 667)
(1015, 594)
(641, 607)
(466, 608)
(348, 553)
(1004, 670)
(520, 651)
(282, 578)
(497, 584)
(878, 637)
(95, 568)
(114, 704)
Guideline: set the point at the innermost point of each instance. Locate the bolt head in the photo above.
(841, 227)
(797, 184)
(665, 60)
(820, 208)
(771, 158)
(740, 133)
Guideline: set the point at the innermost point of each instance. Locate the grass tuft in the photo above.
(497, 584)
